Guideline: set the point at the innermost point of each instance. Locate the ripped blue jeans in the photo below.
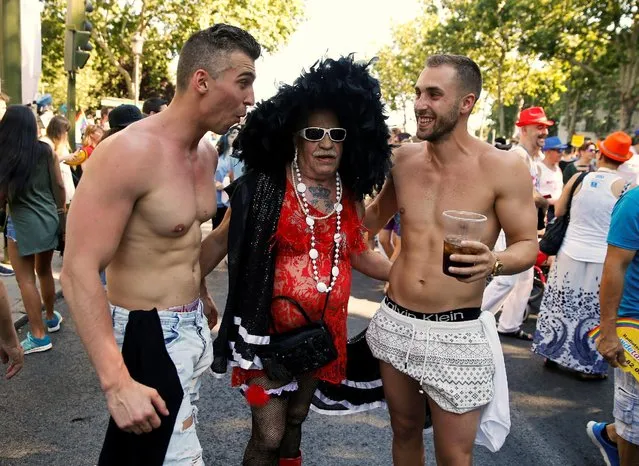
(188, 342)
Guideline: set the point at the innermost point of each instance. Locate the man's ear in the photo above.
(467, 104)
(199, 81)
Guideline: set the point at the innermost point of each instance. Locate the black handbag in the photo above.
(300, 350)
(553, 237)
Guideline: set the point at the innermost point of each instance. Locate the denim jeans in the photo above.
(188, 342)
(11, 231)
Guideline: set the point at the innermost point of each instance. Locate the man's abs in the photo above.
(150, 271)
(417, 283)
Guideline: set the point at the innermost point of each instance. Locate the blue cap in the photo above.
(46, 99)
(637, 132)
(553, 142)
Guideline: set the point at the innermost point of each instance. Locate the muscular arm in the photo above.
(215, 246)
(7, 332)
(10, 350)
(384, 206)
(112, 183)
(516, 213)
(369, 262)
(372, 264)
(612, 283)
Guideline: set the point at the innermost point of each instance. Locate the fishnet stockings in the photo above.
(277, 427)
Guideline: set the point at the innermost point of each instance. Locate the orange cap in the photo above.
(616, 146)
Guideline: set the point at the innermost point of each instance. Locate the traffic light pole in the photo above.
(71, 109)
(10, 56)
(76, 52)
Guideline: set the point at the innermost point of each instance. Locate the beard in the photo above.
(442, 127)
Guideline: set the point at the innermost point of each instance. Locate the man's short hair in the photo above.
(152, 105)
(208, 50)
(467, 70)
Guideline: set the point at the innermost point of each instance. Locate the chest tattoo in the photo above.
(321, 198)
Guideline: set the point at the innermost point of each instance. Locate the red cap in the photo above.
(533, 116)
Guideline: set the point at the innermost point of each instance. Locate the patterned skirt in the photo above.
(569, 310)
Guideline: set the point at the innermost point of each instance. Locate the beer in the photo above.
(453, 246)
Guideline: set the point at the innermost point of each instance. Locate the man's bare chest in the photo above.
(178, 201)
(423, 193)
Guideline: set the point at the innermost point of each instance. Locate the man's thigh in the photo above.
(192, 355)
(405, 399)
(453, 433)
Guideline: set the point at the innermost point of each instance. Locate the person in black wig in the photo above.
(312, 152)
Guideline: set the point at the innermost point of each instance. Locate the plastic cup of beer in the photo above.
(460, 225)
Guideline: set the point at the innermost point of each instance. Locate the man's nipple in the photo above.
(179, 228)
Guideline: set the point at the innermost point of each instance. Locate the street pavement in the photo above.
(53, 412)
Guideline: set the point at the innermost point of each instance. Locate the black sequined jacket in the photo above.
(256, 202)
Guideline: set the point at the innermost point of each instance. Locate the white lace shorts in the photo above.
(452, 361)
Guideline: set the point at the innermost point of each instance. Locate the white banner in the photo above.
(31, 48)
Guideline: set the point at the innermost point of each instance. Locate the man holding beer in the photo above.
(433, 341)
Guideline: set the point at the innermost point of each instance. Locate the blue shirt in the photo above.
(624, 234)
(238, 167)
(223, 170)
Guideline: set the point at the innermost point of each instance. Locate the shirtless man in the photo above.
(454, 358)
(138, 211)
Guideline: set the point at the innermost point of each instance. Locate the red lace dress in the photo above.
(294, 277)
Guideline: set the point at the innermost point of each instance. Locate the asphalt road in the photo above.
(54, 413)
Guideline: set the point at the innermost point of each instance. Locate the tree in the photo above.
(489, 32)
(165, 25)
(400, 62)
(600, 38)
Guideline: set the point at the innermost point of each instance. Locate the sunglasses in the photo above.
(315, 134)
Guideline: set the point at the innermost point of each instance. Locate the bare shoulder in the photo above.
(506, 168)
(124, 158)
(207, 150)
(206, 147)
(497, 159)
(406, 153)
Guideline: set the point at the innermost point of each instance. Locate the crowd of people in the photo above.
(294, 190)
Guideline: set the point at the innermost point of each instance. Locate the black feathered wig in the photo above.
(342, 86)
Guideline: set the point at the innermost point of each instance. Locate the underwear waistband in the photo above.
(456, 315)
(190, 307)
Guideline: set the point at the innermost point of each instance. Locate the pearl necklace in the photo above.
(300, 194)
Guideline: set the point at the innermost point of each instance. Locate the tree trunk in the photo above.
(574, 110)
(629, 79)
(123, 72)
(627, 110)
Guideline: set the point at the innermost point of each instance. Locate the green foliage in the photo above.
(165, 26)
(551, 53)
(401, 62)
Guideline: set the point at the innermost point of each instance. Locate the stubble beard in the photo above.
(444, 126)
